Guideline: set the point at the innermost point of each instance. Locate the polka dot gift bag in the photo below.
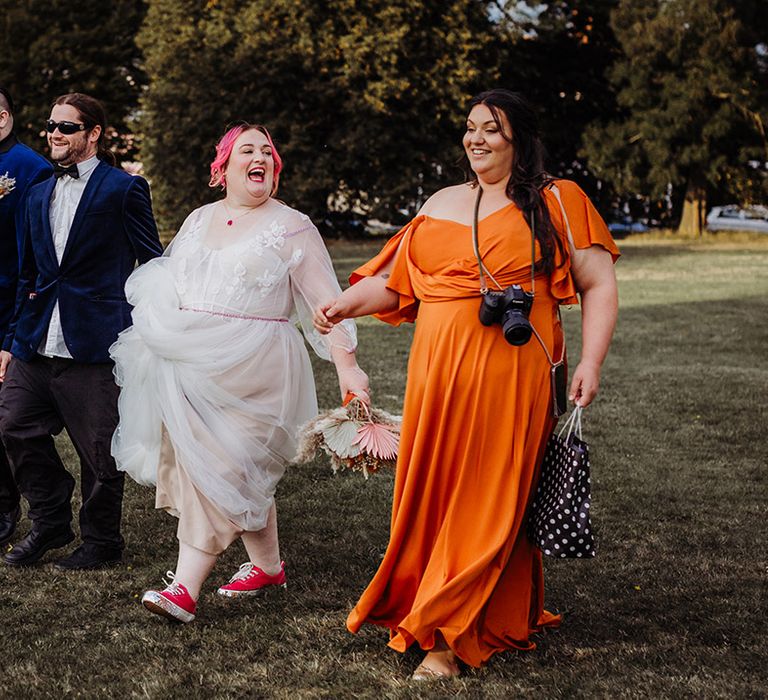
(558, 522)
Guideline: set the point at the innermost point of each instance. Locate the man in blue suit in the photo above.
(85, 228)
(20, 167)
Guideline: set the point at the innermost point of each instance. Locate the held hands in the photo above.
(5, 358)
(585, 383)
(328, 314)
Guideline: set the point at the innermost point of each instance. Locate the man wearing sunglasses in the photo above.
(20, 167)
(84, 230)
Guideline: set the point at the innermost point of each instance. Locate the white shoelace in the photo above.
(172, 586)
(243, 572)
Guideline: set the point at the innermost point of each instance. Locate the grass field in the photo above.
(674, 605)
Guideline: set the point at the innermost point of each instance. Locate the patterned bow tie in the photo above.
(71, 170)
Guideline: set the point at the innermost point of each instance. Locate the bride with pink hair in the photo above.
(215, 375)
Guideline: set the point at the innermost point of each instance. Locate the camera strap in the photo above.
(483, 271)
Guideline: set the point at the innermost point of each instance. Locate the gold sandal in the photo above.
(425, 673)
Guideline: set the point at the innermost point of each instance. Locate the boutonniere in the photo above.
(7, 184)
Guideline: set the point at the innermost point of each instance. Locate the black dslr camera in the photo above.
(511, 308)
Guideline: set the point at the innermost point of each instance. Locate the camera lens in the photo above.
(516, 328)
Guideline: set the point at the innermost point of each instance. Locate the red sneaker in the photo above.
(174, 602)
(251, 580)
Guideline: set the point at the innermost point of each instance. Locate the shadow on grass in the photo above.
(671, 607)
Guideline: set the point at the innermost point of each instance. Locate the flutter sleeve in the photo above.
(580, 226)
(397, 252)
(313, 282)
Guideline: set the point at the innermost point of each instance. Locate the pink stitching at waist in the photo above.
(228, 315)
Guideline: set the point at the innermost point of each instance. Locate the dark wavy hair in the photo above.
(528, 177)
(92, 113)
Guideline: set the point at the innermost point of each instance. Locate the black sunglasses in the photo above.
(66, 128)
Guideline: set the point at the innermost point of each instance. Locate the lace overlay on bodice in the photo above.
(277, 269)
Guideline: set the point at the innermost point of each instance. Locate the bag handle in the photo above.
(572, 426)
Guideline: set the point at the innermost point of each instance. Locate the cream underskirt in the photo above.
(201, 524)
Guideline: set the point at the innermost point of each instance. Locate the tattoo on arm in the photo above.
(385, 275)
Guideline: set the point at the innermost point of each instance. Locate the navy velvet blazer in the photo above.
(27, 168)
(113, 228)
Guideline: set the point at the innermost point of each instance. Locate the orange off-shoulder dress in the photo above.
(476, 419)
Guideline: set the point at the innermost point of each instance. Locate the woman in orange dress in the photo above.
(460, 577)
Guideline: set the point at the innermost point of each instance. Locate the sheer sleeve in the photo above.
(313, 282)
(191, 223)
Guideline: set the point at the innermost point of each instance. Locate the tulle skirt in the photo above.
(229, 388)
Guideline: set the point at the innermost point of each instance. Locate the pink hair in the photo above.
(224, 151)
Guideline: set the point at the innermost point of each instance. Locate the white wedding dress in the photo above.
(214, 358)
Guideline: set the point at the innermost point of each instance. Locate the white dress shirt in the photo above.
(64, 202)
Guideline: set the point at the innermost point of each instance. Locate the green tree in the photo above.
(692, 90)
(406, 70)
(183, 108)
(558, 58)
(51, 47)
(366, 104)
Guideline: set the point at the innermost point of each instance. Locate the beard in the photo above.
(72, 153)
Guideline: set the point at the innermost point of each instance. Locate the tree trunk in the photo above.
(694, 216)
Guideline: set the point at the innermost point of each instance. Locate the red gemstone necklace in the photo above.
(231, 218)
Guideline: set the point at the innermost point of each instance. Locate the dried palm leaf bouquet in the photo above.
(355, 436)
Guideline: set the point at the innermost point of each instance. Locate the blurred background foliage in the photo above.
(657, 107)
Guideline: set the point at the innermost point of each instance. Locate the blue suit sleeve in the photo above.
(27, 276)
(43, 173)
(139, 221)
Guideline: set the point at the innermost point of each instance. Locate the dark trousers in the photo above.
(9, 494)
(38, 399)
